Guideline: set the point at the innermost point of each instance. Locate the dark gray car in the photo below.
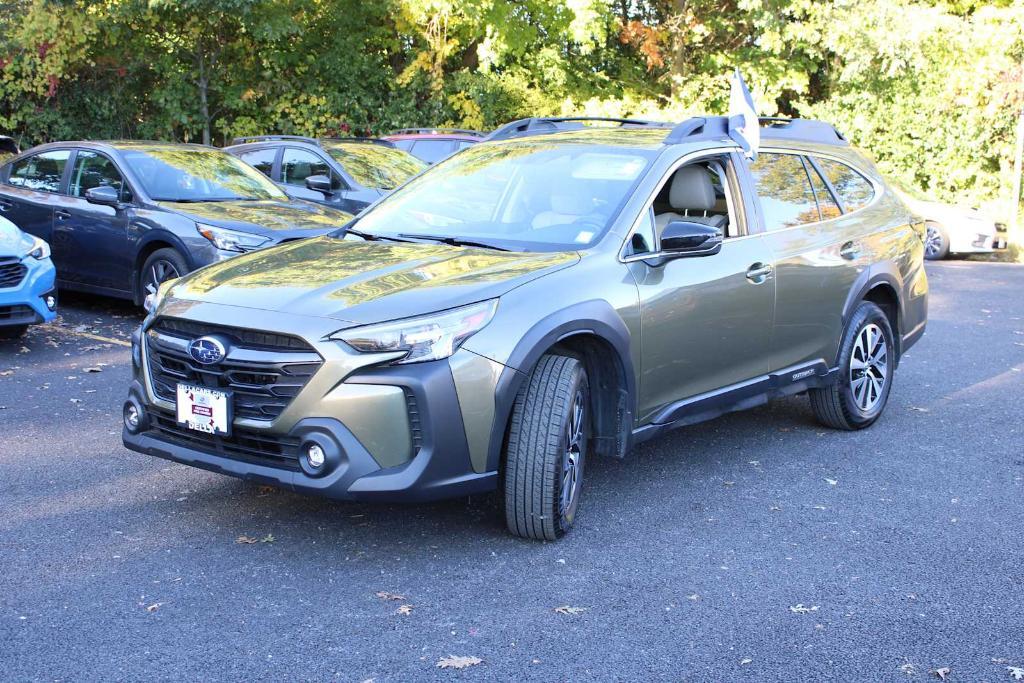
(345, 173)
(123, 217)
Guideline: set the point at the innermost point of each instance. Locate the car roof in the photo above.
(117, 145)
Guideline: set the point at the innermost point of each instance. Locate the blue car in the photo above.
(28, 292)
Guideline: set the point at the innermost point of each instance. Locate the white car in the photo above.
(955, 229)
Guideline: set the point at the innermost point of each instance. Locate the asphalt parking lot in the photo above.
(759, 546)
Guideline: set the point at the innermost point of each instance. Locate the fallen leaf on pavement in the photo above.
(566, 609)
(404, 610)
(93, 370)
(453, 662)
(800, 609)
(919, 409)
(154, 607)
(246, 539)
(908, 669)
(264, 490)
(384, 595)
(1016, 672)
(831, 482)
(942, 673)
(269, 538)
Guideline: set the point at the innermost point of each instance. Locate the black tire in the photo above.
(168, 264)
(936, 242)
(13, 331)
(841, 405)
(537, 451)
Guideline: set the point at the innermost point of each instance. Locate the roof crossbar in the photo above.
(772, 128)
(441, 131)
(266, 138)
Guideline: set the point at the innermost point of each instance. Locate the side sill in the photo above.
(750, 394)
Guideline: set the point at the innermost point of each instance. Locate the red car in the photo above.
(434, 144)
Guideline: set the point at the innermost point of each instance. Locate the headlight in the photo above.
(40, 250)
(428, 337)
(231, 240)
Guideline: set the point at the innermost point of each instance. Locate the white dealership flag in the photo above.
(744, 128)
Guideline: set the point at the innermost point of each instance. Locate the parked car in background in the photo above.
(8, 148)
(123, 217)
(345, 173)
(536, 301)
(28, 293)
(434, 144)
(952, 230)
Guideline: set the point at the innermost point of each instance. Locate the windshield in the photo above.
(531, 195)
(376, 166)
(192, 174)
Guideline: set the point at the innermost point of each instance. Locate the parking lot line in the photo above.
(86, 335)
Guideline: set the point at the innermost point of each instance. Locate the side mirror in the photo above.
(685, 238)
(103, 195)
(320, 183)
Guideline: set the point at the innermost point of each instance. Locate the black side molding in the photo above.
(741, 396)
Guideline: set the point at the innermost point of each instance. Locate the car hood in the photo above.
(365, 282)
(13, 242)
(277, 219)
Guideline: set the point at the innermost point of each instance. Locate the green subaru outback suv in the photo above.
(560, 291)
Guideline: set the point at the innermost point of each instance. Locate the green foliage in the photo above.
(929, 87)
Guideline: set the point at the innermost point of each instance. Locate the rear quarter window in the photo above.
(853, 189)
(40, 172)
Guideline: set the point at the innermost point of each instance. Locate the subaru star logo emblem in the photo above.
(207, 350)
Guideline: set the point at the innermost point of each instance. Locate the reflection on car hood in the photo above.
(365, 282)
(265, 216)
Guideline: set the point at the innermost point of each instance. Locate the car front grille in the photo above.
(17, 314)
(12, 272)
(264, 371)
(246, 445)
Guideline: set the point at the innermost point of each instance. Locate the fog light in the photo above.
(51, 301)
(132, 417)
(315, 455)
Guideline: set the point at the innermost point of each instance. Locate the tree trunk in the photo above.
(203, 84)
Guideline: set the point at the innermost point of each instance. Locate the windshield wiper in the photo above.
(454, 241)
(368, 236)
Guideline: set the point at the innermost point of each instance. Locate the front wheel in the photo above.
(867, 360)
(547, 449)
(936, 242)
(161, 266)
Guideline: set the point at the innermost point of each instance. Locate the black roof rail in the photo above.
(368, 141)
(772, 128)
(437, 131)
(551, 124)
(268, 138)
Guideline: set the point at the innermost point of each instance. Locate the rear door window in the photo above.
(40, 172)
(853, 189)
(261, 159)
(826, 202)
(787, 199)
(93, 170)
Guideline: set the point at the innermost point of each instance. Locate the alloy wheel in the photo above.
(869, 367)
(159, 272)
(933, 242)
(572, 458)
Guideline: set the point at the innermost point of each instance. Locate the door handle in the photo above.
(62, 215)
(850, 250)
(759, 272)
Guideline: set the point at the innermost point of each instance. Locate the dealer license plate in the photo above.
(204, 410)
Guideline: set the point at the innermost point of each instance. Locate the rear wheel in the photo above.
(13, 331)
(547, 449)
(161, 266)
(867, 359)
(936, 242)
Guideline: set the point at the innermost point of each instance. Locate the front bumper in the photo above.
(25, 304)
(422, 453)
